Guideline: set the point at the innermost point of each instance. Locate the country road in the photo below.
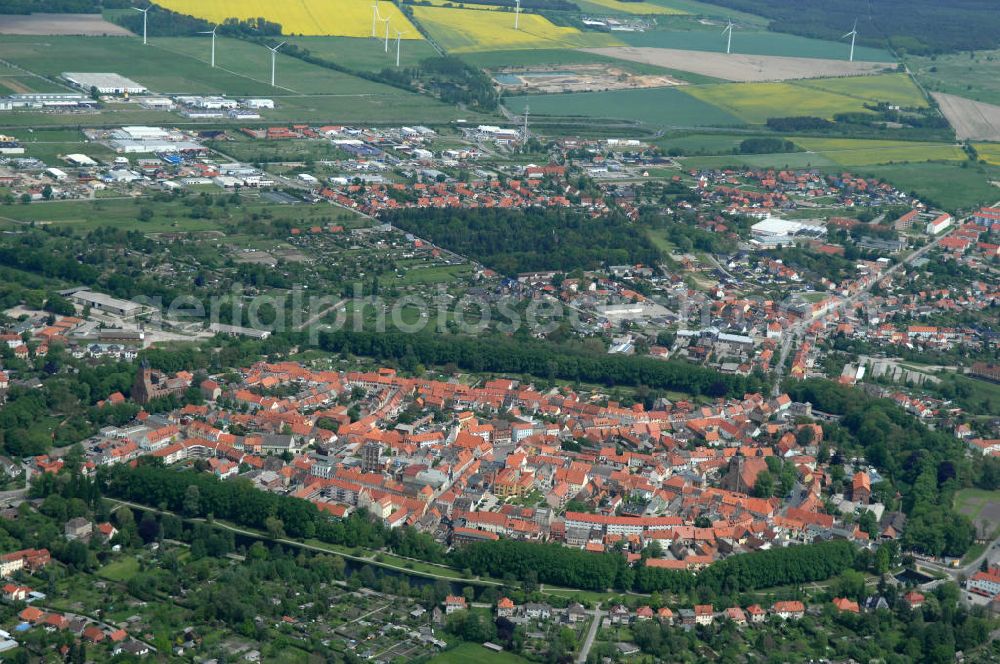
(588, 643)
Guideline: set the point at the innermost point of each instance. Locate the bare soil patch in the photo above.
(973, 120)
(579, 78)
(740, 67)
(59, 24)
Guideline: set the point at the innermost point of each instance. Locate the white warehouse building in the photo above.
(106, 83)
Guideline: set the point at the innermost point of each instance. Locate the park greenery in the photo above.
(512, 241)
(926, 466)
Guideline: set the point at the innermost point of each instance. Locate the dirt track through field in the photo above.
(973, 120)
(740, 67)
(59, 24)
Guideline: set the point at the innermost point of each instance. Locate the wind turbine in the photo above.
(274, 55)
(853, 34)
(375, 17)
(387, 34)
(398, 35)
(145, 15)
(729, 41)
(211, 32)
(517, 13)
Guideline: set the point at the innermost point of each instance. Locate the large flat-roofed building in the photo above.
(772, 231)
(106, 83)
(107, 304)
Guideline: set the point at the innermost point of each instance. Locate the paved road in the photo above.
(591, 634)
(992, 551)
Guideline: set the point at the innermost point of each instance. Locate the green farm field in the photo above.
(897, 88)
(169, 216)
(365, 54)
(779, 160)
(659, 107)
(976, 77)
(951, 186)
(859, 152)
(309, 93)
(161, 66)
(754, 103)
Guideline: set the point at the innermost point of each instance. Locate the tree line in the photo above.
(548, 360)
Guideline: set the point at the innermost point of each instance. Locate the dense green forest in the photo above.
(513, 241)
(916, 26)
(545, 359)
(926, 466)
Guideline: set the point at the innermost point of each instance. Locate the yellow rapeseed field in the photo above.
(641, 8)
(341, 18)
(988, 152)
(465, 30)
(864, 152)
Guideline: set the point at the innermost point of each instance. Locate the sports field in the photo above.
(754, 103)
(859, 152)
(660, 107)
(470, 30)
(345, 18)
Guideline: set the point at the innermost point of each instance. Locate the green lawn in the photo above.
(430, 275)
(468, 653)
(120, 570)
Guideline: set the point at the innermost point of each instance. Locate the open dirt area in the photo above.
(59, 24)
(740, 67)
(971, 119)
(586, 78)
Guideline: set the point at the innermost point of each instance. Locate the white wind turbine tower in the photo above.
(729, 41)
(853, 34)
(398, 35)
(517, 13)
(375, 17)
(274, 55)
(386, 34)
(211, 32)
(145, 15)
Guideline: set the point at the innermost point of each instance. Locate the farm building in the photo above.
(106, 303)
(106, 84)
